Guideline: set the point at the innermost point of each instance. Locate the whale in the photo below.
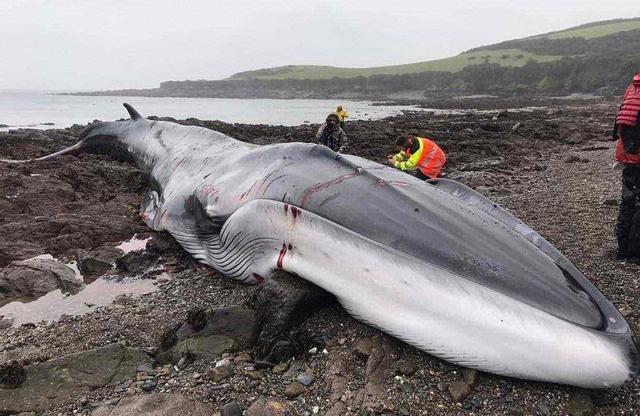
(434, 264)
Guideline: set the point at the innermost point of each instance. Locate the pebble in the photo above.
(280, 368)
(305, 379)
(294, 389)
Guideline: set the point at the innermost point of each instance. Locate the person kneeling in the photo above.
(419, 156)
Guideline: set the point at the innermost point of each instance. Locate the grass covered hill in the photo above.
(590, 38)
(596, 58)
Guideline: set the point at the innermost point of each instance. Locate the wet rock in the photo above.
(31, 279)
(209, 347)
(269, 407)
(580, 405)
(363, 347)
(156, 404)
(218, 374)
(49, 383)
(98, 261)
(231, 409)
(459, 390)
(282, 302)
(211, 333)
(12, 375)
(294, 389)
(137, 262)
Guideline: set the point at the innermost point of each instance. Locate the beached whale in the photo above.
(434, 264)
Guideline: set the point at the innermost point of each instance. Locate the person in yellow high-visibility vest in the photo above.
(342, 115)
(419, 156)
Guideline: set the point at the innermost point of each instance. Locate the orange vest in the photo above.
(432, 158)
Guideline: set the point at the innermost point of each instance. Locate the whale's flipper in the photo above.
(132, 111)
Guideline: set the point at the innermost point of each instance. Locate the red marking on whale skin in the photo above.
(324, 185)
(259, 279)
(283, 251)
(286, 209)
(295, 211)
(210, 190)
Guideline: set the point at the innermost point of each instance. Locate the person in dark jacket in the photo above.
(627, 132)
(331, 135)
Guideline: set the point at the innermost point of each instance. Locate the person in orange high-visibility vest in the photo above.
(419, 156)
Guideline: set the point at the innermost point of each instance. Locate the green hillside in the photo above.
(597, 30)
(514, 53)
(504, 57)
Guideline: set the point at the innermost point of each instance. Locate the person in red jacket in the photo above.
(627, 132)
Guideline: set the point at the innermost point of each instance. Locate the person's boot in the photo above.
(624, 251)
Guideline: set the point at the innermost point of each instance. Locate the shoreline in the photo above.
(549, 167)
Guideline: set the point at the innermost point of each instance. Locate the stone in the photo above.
(363, 347)
(231, 409)
(575, 138)
(306, 379)
(280, 368)
(49, 383)
(580, 405)
(282, 302)
(407, 368)
(218, 374)
(30, 279)
(470, 376)
(516, 127)
(211, 333)
(208, 347)
(156, 404)
(459, 390)
(269, 407)
(337, 409)
(294, 389)
(98, 261)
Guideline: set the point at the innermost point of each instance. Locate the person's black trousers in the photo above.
(628, 225)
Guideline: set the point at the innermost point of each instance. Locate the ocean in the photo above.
(41, 110)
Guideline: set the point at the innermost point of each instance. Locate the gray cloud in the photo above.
(73, 45)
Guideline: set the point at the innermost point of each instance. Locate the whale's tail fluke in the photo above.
(132, 111)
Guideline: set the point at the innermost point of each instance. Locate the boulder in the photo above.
(156, 404)
(211, 333)
(98, 261)
(47, 384)
(28, 280)
(282, 302)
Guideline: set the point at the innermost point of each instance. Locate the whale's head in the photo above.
(110, 138)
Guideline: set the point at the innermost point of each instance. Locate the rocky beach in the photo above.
(171, 336)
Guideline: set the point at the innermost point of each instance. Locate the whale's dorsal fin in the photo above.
(132, 111)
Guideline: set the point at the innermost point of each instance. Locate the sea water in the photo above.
(33, 109)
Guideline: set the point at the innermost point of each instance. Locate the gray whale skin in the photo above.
(436, 264)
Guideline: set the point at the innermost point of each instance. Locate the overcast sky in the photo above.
(112, 44)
